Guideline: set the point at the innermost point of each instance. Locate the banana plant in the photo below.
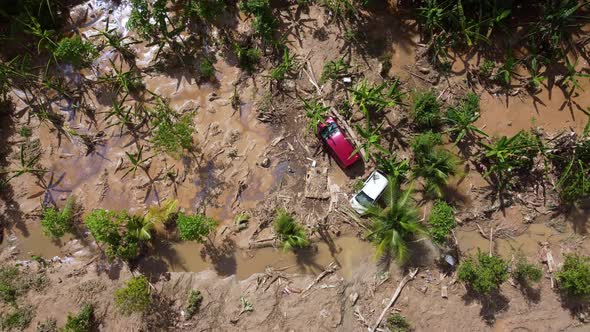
(370, 141)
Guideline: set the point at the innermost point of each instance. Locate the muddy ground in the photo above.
(253, 166)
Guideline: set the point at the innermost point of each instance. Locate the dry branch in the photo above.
(398, 291)
(329, 269)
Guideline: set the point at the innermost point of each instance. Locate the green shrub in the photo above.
(483, 273)
(75, 51)
(118, 230)
(82, 322)
(334, 69)
(18, 319)
(134, 296)
(286, 67)
(9, 285)
(398, 323)
(289, 232)
(264, 23)
(442, 221)
(194, 227)
(57, 223)
(424, 143)
(574, 277)
(486, 69)
(525, 272)
(426, 110)
(248, 57)
(208, 10)
(174, 136)
(195, 298)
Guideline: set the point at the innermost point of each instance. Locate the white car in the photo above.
(372, 190)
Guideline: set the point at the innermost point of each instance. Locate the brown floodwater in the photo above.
(349, 252)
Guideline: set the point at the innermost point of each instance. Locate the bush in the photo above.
(19, 319)
(119, 231)
(194, 227)
(442, 221)
(574, 277)
(248, 57)
(525, 272)
(426, 110)
(208, 10)
(195, 298)
(424, 143)
(9, 286)
(82, 322)
(56, 223)
(264, 23)
(173, 137)
(75, 51)
(134, 296)
(483, 273)
(398, 323)
(289, 232)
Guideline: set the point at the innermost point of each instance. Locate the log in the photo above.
(398, 291)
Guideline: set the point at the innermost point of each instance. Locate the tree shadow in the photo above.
(222, 256)
(12, 215)
(579, 216)
(161, 316)
(531, 294)
(491, 304)
(305, 258)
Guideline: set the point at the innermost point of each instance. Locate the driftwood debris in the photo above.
(329, 269)
(398, 291)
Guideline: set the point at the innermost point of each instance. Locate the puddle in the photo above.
(528, 242)
(349, 252)
(30, 240)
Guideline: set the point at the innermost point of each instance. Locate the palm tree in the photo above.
(436, 168)
(393, 225)
(289, 232)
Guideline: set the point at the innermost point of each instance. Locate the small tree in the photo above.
(483, 273)
(57, 223)
(525, 272)
(574, 277)
(289, 232)
(426, 110)
(134, 296)
(442, 221)
(82, 322)
(121, 232)
(194, 227)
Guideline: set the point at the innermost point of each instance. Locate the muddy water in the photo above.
(528, 242)
(348, 252)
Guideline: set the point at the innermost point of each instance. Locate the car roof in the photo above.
(375, 185)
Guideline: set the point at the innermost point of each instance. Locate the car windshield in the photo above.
(364, 199)
(330, 130)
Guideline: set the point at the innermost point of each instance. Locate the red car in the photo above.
(340, 148)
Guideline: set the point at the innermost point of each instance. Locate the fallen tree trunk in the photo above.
(398, 291)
